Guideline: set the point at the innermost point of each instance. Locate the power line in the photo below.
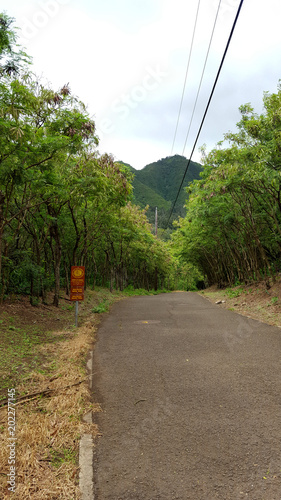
(208, 104)
(203, 72)
(186, 73)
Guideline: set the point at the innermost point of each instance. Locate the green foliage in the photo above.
(165, 175)
(102, 307)
(130, 291)
(61, 456)
(234, 292)
(156, 185)
(63, 204)
(11, 59)
(232, 230)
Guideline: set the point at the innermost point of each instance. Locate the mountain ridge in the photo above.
(157, 185)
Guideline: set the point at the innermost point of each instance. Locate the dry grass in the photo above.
(49, 428)
(41, 351)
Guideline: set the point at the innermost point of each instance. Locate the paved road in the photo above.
(191, 402)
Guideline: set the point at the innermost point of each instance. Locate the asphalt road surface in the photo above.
(191, 398)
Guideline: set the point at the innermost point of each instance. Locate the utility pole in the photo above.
(156, 269)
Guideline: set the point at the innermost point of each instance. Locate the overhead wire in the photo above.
(186, 74)
(202, 76)
(208, 105)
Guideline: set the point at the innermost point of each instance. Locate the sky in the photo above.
(127, 61)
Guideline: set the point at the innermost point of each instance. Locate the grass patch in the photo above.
(102, 307)
(233, 292)
(63, 456)
(20, 352)
(43, 352)
(130, 291)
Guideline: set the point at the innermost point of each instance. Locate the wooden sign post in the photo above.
(77, 284)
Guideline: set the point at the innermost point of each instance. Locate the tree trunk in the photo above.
(1, 277)
(2, 200)
(57, 261)
(156, 279)
(67, 287)
(111, 279)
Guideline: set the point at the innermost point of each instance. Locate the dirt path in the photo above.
(191, 402)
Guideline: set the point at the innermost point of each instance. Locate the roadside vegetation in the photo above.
(232, 229)
(61, 202)
(43, 356)
(256, 300)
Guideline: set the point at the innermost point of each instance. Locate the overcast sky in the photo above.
(127, 59)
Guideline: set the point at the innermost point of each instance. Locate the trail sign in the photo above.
(77, 282)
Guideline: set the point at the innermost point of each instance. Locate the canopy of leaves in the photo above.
(11, 59)
(61, 202)
(232, 230)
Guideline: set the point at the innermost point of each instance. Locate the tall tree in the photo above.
(232, 228)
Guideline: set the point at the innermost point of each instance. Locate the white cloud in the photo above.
(105, 50)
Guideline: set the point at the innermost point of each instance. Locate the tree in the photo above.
(232, 228)
(41, 130)
(11, 59)
(61, 203)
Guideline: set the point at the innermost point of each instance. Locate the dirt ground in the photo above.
(254, 301)
(26, 332)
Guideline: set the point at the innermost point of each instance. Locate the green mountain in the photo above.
(144, 195)
(157, 185)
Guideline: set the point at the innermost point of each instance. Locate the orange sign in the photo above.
(76, 296)
(78, 272)
(77, 283)
(77, 290)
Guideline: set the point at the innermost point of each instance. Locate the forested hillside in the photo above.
(232, 230)
(157, 185)
(61, 203)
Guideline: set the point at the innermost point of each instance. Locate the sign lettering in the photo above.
(77, 283)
